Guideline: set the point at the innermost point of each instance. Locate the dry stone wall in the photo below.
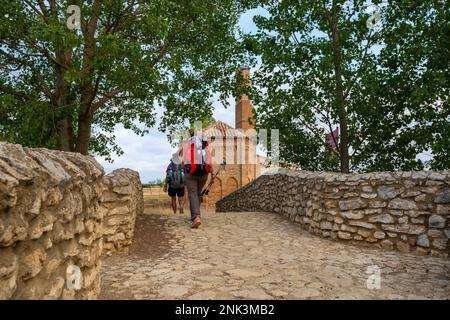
(122, 200)
(57, 213)
(405, 211)
(49, 220)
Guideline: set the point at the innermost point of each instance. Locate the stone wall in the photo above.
(122, 200)
(49, 220)
(406, 211)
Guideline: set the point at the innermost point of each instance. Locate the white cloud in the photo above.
(148, 155)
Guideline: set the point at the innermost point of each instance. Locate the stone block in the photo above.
(387, 244)
(362, 224)
(402, 204)
(364, 233)
(56, 289)
(403, 246)
(440, 243)
(442, 209)
(344, 235)
(352, 204)
(347, 228)
(32, 263)
(356, 214)
(423, 241)
(338, 220)
(436, 221)
(326, 225)
(443, 197)
(388, 192)
(377, 204)
(383, 218)
(379, 235)
(403, 220)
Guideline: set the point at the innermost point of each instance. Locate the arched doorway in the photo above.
(216, 191)
(230, 186)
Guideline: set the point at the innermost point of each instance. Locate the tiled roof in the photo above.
(221, 129)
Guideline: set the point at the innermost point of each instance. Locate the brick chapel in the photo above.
(237, 146)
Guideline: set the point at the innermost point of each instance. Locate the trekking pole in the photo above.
(211, 182)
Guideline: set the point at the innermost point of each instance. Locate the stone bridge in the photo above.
(257, 255)
(316, 236)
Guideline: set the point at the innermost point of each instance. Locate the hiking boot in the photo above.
(196, 222)
(181, 211)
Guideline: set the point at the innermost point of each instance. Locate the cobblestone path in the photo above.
(260, 256)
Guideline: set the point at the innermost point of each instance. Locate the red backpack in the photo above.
(198, 161)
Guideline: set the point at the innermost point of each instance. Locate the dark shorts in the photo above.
(176, 192)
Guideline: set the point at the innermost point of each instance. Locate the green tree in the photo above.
(385, 87)
(68, 89)
(408, 94)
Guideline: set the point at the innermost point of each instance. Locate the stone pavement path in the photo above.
(260, 256)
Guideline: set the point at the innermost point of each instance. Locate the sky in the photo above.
(149, 155)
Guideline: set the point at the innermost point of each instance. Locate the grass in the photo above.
(158, 202)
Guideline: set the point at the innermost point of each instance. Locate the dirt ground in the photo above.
(158, 202)
(153, 241)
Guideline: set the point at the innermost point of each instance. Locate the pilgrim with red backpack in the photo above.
(198, 164)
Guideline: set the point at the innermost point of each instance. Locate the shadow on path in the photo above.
(152, 240)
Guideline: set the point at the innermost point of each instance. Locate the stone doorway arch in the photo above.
(231, 185)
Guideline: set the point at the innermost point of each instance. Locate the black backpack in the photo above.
(176, 176)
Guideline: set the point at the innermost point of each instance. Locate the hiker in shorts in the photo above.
(198, 164)
(175, 179)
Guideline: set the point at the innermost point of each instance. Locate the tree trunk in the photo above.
(64, 128)
(339, 94)
(64, 133)
(88, 89)
(85, 118)
(61, 100)
(84, 133)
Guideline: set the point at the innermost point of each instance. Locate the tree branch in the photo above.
(34, 8)
(47, 91)
(107, 97)
(358, 72)
(45, 53)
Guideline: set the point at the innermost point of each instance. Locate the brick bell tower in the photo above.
(244, 116)
(245, 120)
(236, 145)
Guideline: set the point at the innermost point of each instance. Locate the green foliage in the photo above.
(56, 84)
(395, 82)
(31, 124)
(68, 89)
(412, 87)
